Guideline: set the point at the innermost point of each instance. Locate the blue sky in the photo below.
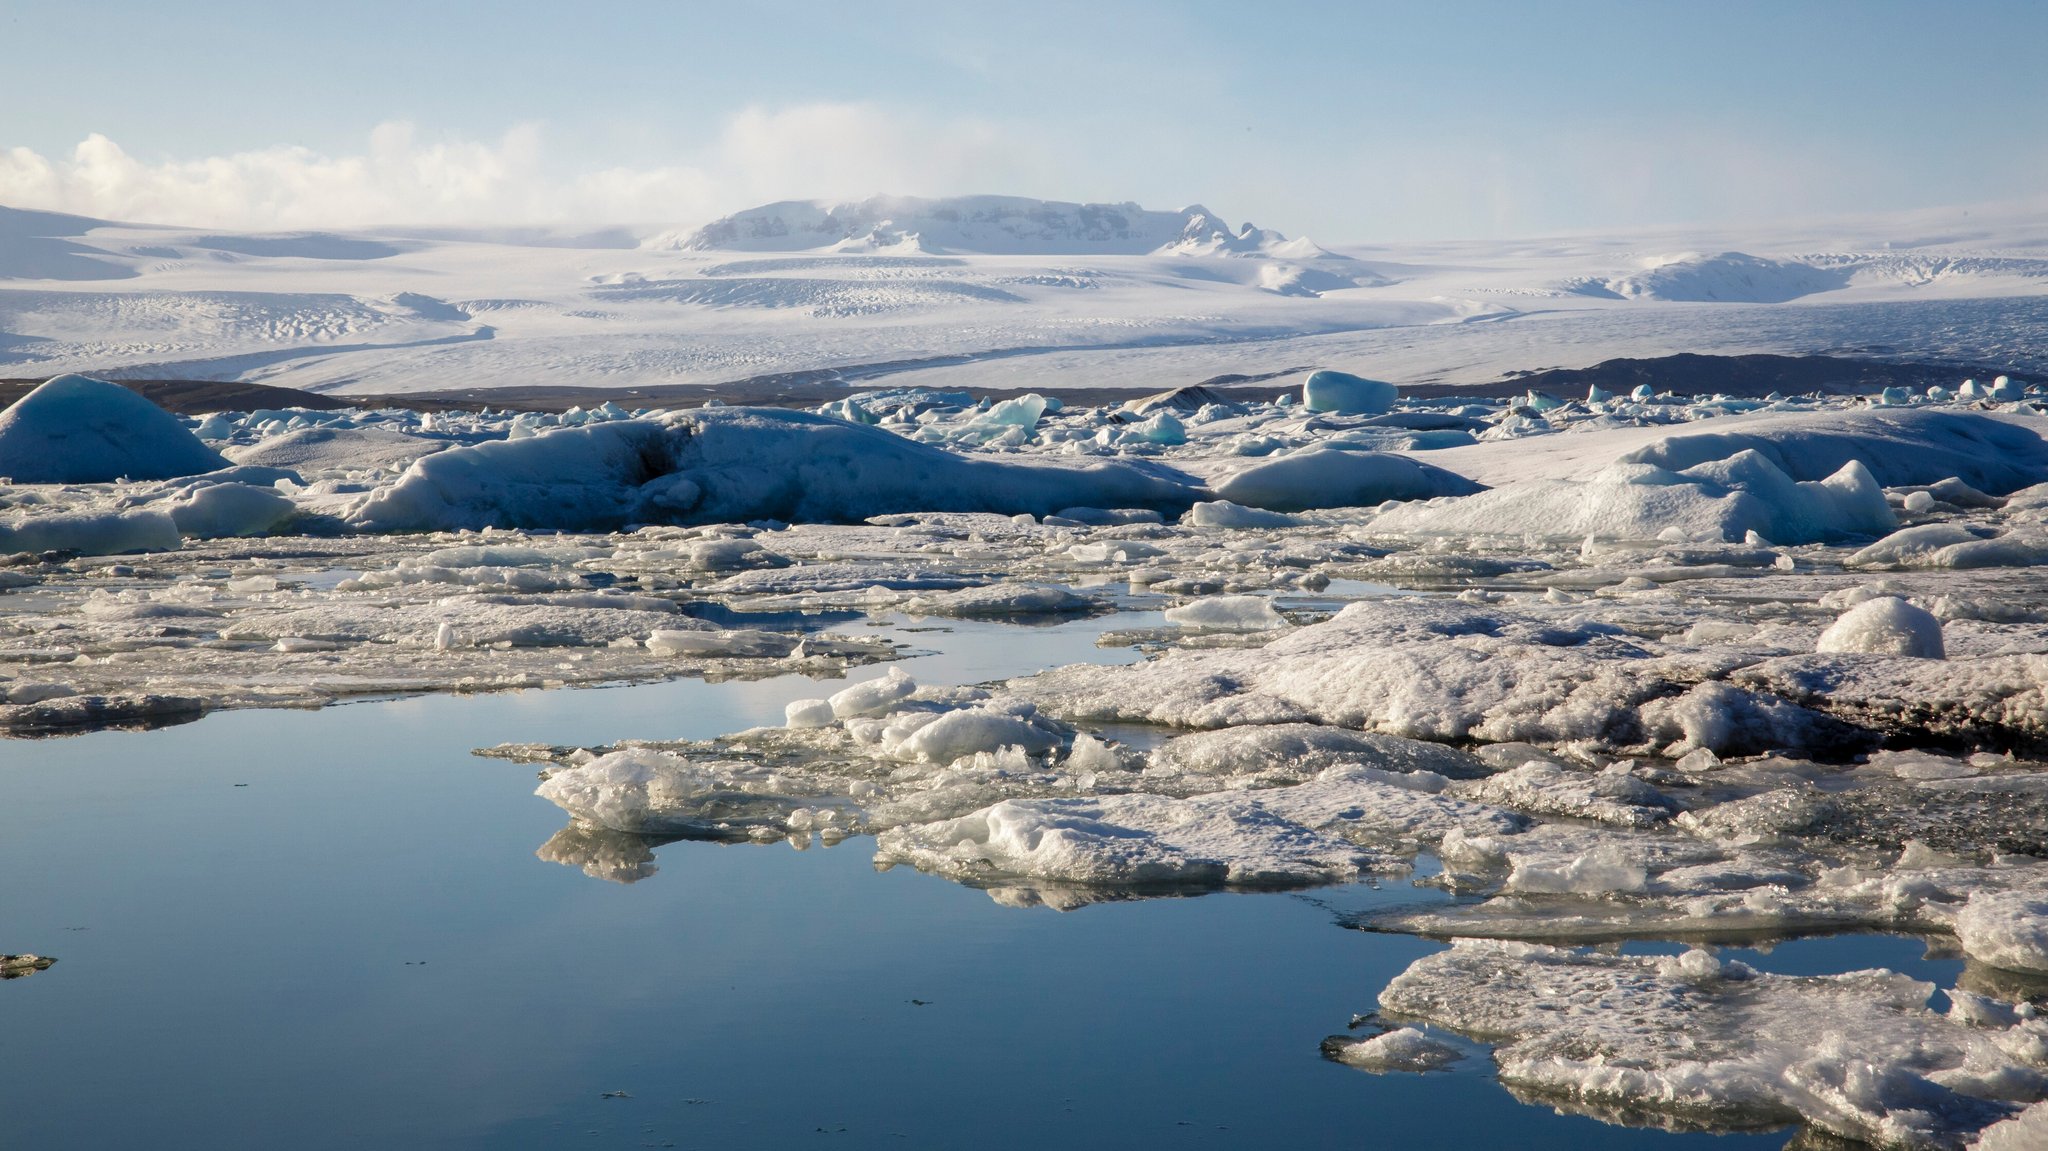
(1350, 123)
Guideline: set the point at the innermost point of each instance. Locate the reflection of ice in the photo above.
(23, 966)
(614, 856)
(626, 857)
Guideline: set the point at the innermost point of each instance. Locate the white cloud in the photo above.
(402, 177)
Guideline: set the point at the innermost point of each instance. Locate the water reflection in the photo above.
(23, 966)
(601, 853)
(2005, 986)
(1702, 1117)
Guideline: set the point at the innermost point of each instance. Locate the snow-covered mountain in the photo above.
(985, 291)
(1740, 278)
(982, 225)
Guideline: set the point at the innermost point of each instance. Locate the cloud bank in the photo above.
(826, 150)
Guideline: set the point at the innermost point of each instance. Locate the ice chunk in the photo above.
(78, 430)
(332, 448)
(1606, 869)
(1162, 427)
(1329, 478)
(1886, 626)
(1228, 613)
(1090, 755)
(92, 533)
(968, 731)
(1913, 545)
(2027, 1131)
(809, 713)
(2007, 929)
(718, 555)
(1224, 514)
(1546, 789)
(1334, 391)
(294, 645)
(1127, 840)
(1725, 499)
(80, 711)
(1402, 1049)
(874, 696)
(734, 644)
(1003, 600)
(1722, 717)
(219, 510)
(652, 792)
(1900, 447)
(1431, 669)
(1305, 748)
(1023, 411)
(736, 465)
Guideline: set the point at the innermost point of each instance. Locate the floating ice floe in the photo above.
(1229, 613)
(1699, 1040)
(1430, 669)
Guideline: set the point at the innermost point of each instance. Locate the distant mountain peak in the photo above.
(990, 225)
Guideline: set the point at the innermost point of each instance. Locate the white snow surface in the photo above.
(988, 291)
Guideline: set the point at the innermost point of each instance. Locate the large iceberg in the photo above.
(732, 465)
(78, 430)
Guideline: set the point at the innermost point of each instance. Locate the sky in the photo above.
(1350, 123)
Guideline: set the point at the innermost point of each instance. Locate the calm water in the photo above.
(359, 949)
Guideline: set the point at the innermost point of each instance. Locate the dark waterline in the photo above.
(359, 949)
